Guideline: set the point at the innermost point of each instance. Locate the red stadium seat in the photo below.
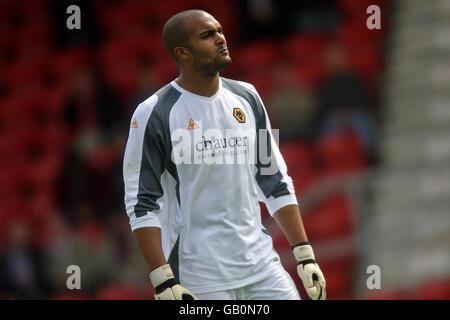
(366, 60)
(37, 34)
(11, 205)
(310, 74)
(280, 242)
(299, 160)
(120, 50)
(225, 13)
(167, 69)
(338, 274)
(331, 219)
(352, 34)
(15, 204)
(41, 206)
(297, 155)
(10, 179)
(36, 5)
(29, 107)
(64, 63)
(352, 10)
(7, 8)
(45, 172)
(304, 54)
(101, 159)
(435, 290)
(6, 35)
(130, 14)
(341, 152)
(46, 107)
(152, 47)
(12, 209)
(123, 78)
(162, 10)
(117, 292)
(55, 138)
(252, 57)
(387, 294)
(119, 59)
(27, 70)
(72, 295)
(303, 48)
(37, 146)
(14, 145)
(262, 81)
(54, 100)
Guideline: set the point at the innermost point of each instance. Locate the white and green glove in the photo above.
(309, 271)
(167, 288)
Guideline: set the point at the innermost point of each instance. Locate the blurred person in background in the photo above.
(343, 101)
(104, 254)
(270, 18)
(146, 86)
(88, 35)
(94, 115)
(61, 246)
(260, 19)
(127, 257)
(308, 15)
(93, 252)
(22, 265)
(92, 104)
(293, 106)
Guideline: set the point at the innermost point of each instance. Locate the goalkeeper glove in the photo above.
(309, 272)
(167, 288)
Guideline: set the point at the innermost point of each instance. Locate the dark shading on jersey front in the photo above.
(270, 185)
(156, 150)
(174, 260)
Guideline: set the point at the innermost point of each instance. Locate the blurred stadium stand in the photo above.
(363, 117)
(406, 228)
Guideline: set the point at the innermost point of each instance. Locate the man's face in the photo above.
(208, 45)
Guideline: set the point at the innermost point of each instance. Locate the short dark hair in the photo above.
(176, 31)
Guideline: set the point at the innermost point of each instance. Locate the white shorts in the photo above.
(280, 286)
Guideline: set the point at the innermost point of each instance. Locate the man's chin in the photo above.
(216, 67)
(224, 63)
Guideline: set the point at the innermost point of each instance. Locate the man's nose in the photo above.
(220, 38)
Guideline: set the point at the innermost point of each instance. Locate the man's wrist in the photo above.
(304, 254)
(161, 275)
(300, 244)
(166, 284)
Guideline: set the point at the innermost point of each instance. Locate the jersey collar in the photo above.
(196, 96)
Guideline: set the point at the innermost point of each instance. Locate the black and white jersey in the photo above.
(193, 167)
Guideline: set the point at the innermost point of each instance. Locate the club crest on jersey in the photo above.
(239, 115)
(192, 125)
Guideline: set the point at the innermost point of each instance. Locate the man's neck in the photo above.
(199, 84)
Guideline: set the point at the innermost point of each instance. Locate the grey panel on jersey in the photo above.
(156, 153)
(270, 185)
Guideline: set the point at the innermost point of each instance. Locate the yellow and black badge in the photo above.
(239, 115)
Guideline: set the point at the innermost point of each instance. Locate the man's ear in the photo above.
(183, 54)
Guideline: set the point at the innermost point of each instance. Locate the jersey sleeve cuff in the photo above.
(275, 204)
(149, 220)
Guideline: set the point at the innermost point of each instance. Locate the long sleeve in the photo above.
(143, 167)
(276, 188)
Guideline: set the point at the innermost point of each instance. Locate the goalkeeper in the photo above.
(197, 222)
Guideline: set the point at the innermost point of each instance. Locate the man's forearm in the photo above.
(290, 221)
(149, 242)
